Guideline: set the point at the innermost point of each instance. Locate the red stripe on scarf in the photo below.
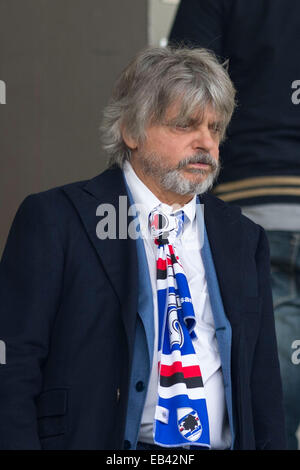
(171, 249)
(188, 371)
(161, 264)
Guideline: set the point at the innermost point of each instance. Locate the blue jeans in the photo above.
(285, 274)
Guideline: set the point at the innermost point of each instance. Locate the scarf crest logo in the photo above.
(189, 424)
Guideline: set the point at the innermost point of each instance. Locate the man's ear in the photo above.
(128, 139)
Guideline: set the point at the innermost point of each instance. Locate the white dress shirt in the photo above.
(188, 250)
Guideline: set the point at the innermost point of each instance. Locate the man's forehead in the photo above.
(177, 111)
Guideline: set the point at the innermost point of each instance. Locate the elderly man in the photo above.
(154, 332)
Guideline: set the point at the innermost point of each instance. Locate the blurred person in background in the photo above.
(261, 156)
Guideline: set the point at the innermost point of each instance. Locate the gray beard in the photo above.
(171, 179)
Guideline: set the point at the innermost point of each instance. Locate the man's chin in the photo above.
(200, 183)
(196, 176)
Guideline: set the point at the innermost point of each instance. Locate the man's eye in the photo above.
(216, 129)
(182, 126)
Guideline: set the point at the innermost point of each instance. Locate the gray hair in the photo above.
(156, 78)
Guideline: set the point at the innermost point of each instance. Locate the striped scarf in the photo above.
(181, 414)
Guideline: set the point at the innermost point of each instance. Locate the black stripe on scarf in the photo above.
(161, 274)
(178, 377)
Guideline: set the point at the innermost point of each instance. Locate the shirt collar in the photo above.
(148, 201)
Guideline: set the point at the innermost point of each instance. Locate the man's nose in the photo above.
(203, 140)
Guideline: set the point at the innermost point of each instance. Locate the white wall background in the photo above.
(160, 18)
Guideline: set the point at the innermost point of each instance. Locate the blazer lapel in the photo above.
(224, 232)
(145, 297)
(117, 255)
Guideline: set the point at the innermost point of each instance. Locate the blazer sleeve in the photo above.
(30, 282)
(266, 388)
(199, 23)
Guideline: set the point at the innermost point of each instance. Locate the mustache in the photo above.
(200, 157)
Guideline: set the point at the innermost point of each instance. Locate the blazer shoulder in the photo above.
(50, 205)
(234, 211)
(214, 201)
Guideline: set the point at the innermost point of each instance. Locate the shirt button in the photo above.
(127, 445)
(140, 386)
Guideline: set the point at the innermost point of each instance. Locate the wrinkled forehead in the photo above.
(180, 111)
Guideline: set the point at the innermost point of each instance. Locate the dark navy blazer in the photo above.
(68, 316)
